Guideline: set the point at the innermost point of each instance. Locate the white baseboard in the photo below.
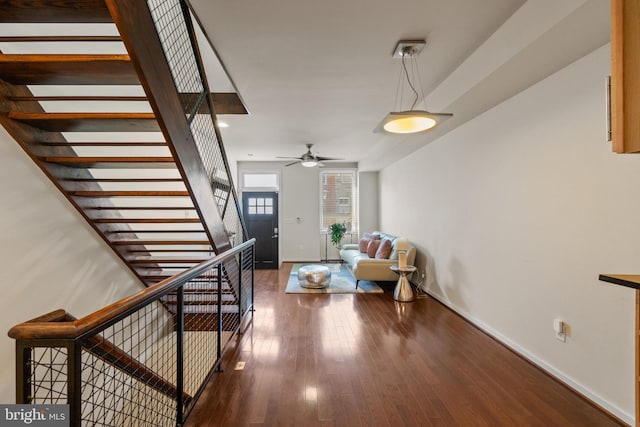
(614, 410)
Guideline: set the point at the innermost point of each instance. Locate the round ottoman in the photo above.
(314, 276)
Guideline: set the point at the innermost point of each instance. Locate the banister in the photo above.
(52, 325)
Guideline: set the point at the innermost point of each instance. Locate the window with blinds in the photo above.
(338, 198)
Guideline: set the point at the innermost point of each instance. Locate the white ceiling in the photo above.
(322, 72)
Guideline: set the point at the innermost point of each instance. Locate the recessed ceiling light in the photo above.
(222, 124)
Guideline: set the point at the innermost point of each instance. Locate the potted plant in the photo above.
(337, 233)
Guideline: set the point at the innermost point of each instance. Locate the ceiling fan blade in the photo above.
(320, 158)
(308, 157)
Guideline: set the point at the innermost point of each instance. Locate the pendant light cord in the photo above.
(406, 73)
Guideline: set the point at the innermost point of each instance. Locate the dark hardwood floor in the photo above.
(364, 360)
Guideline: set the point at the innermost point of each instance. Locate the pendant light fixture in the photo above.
(411, 120)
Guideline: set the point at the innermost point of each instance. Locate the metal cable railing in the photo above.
(174, 25)
(143, 360)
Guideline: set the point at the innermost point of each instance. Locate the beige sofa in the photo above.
(365, 268)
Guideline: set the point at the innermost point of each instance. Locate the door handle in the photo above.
(274, 236)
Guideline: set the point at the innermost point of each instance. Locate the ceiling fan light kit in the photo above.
(409, 121)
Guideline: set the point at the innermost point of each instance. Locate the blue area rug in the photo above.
(342, 282)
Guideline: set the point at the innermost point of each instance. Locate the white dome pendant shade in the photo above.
(411, 120)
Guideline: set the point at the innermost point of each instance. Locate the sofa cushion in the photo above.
(384, 249)
(372, 236)
(372, 248)
(351, 256)
(363, 245)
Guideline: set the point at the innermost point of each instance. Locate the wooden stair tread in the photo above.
(89, 122)
(32, 98)
(170, 250)
(227, 307)
(208, 286)
(203, 309)
(193, 281)
(223, 102)
(104, 144)
(76, 11)
(121, 179)
(68, 69)
(91, 159)
(113, 162)
(20, 39)
(161, 242)
(140, 208)
(167, 260)
(124, 231)
(146, 220)
(203, 298)
(124, 193)
(220, 184)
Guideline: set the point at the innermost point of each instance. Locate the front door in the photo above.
(260, 211)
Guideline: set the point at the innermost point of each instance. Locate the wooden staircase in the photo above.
(105, 131)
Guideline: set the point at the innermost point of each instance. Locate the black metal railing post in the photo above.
(219, 306)
(253, 269)
(180, 356)
(240, 292)
(74, 381)
(23, 373)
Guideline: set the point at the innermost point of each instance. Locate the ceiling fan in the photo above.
(308, 159)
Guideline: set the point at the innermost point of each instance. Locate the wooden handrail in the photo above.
(57, 324)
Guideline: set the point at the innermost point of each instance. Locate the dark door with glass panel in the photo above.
(261, 216)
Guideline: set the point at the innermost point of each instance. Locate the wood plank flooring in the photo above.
(364, 360)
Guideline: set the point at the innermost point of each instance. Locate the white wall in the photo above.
(300, 228)
(517, 212)
(51, 258)
(368, 201)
